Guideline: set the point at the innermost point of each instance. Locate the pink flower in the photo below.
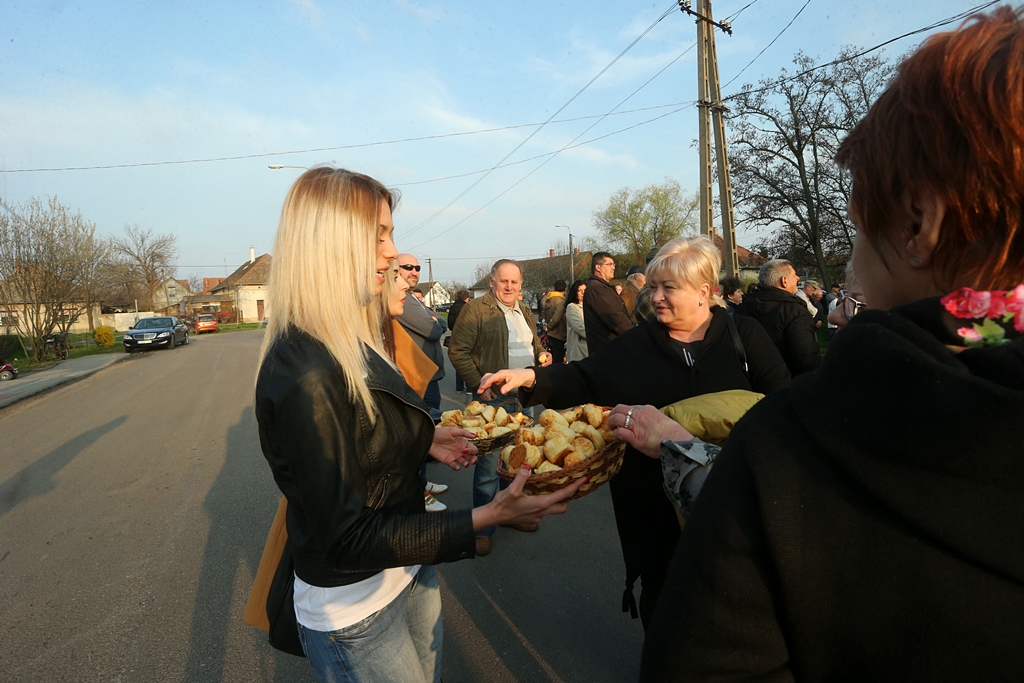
(969, 334)
(963, 303)
(1015, 301)
(997, 307)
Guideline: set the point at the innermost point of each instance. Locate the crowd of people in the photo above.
(882, 543)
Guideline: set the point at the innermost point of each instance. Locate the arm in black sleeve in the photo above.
(717, 613)
(766, 368)
(802, 342)
(315, 428)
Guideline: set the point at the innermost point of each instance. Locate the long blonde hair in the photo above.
(323, 270)
(690, 261)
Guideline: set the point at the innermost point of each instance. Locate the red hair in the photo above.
(951, 122)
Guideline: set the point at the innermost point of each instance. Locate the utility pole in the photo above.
(712, 124)
(430, 279)
(572, 268)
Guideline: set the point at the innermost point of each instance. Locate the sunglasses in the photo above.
(409, 266)
(850, 305)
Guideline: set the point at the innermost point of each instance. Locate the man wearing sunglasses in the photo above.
(426, 329)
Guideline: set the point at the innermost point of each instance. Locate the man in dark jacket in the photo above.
(424, 326)
(604, 314)
(554, 314)
(461, 299)
(784, 316)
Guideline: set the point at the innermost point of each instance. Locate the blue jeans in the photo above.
(485, 474)
(401, 642)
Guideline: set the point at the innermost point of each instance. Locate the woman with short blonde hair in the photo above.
(690, 349)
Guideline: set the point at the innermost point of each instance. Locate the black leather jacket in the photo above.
(355, 500)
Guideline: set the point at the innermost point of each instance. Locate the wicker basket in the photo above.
(488, 444)
(600, 467)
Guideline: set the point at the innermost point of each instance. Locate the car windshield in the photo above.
(153, 323)
(205, 318)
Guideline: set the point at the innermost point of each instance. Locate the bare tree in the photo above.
(148, 258)
(50, 263)
(634, 222)
(785, 134)
(195, 283)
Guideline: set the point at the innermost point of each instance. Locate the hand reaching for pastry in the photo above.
(451, 446)
(507, 380)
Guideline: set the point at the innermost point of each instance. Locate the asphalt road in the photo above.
(134, 505)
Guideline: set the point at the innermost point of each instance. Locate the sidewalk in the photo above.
(33, 383)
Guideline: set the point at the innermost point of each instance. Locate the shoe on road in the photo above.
(483, 545)
(435, 489)
(433, 504)
(523, 527)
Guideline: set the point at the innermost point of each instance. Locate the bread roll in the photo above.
(549, 417)
(534, 456)
(556, 449)
(572, 414)
(547, 467)
(607, 434)
(559, 430)
(499, 431)
(583, 445)
(488, 413)
(531, 435)
(450, 418)
(512, 424)
(505, 453)
(596, 436)
(594, 415)
(474, 408)
(478, 432)
(501, 418)
(516, 457)
(574, 458)
(578, 426)
(470, 422)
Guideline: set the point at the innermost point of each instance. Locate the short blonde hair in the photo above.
(690, 262)
(323, 269)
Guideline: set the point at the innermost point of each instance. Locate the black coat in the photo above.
(789, 324)
(644, 366)
(453, 313)
(884, 544)
(355, 500)
(604, 314)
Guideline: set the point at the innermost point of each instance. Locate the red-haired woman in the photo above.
(886, 544)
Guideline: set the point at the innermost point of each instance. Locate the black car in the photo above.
(149, 333)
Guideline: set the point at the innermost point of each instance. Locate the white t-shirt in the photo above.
(520, 338)
(330, 609)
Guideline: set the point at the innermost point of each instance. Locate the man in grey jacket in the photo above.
(426, 329)
(424, 326)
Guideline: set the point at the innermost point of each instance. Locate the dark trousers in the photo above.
(648, 530)
(432, 397)
(557, 347)
(460, 384)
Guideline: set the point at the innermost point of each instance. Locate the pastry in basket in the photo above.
(556, 430)
(474, 408)
(470, 422)
(595, 415)
(573, 459)
(450, 418)
(513, 457)
(547, 467)
(549, 417)
(556, 449)
(532, 435)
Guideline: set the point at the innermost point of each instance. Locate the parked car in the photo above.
(205, 322)
(164, 331)
(7, 371)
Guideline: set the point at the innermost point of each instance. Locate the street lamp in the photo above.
(572, 270)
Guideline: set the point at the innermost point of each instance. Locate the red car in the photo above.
(205, 322)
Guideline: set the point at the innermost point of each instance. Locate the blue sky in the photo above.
(108, 83)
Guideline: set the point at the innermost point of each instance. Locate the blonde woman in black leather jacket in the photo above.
(345, 437)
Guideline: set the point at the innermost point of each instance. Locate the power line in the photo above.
(938, 24)
(799, 12)
(330, 149)
(740, 11)
(567, 146)
(530, 136)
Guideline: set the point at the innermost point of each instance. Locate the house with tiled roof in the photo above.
(247, 287)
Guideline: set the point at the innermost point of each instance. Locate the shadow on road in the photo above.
(38, 478)
(241, 505)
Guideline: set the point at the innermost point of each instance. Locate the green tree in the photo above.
(636, 221)
(784, 136)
